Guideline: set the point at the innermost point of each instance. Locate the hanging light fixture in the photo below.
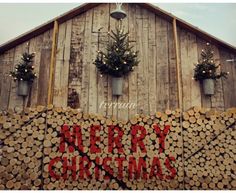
(118, 13)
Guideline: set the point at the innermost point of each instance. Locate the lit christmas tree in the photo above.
(24, 70)
(206, 68)
(119, 58)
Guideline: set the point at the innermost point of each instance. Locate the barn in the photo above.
(67, 45)
(162, 132)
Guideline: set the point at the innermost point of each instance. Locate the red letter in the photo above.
(106, 167)
(161, 135)
(66, 136)
(96, 170)
(115, 140)
(120, 166)
(51, 164)
(137, 170)
(67, 167)
(170, 168)
(84, 169)
(93, 139)
(156, 168)
(138, 140)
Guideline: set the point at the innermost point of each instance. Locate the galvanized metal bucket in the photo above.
(23, 88)
(209, 86)
(117, 85)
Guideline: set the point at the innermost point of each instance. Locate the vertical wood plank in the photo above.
(162, 76)
(133, 75)
(123, 112)
(52, 63)
(62, 65)
(152, 63)
(191, 88)
(142, 44)
(228, 84)
(16, 101)
(76, 56)
(217, 100)
(113, 99)
(36, 45)
(233, 64)
(192, 59)
(87, 60)
(7, 63)
(43, 76)
(109, 89)
(101, 27)
(93, 85)
(173, 83)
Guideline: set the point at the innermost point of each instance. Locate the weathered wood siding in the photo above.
(41, 45)
(152, 86)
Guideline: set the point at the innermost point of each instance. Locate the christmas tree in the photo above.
(206, 68)
(119, 59)
(24, 70)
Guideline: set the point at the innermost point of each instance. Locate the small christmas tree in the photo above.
(24, 70)
(206, 68)
(119, 58)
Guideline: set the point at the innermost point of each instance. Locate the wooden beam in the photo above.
(176, 43)
(52, 62)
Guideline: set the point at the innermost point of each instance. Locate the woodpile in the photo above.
(209, 149)
(21, 151)
(200, 146)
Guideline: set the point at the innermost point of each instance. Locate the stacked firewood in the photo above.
(22, 136)
(209, 149)
(198, 151)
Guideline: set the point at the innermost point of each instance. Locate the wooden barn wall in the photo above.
(41, 45)
(152, 86)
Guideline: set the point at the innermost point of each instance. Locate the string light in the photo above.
(116, 68)
(100, 75)
(124, 62)
(25, 70)
(208, 44)
(227, 72)
(203, 71)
